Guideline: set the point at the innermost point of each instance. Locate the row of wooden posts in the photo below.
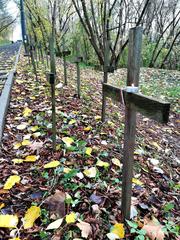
(133, 102)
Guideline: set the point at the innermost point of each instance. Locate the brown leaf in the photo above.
(154, 230)
(36, 146)
(85, 228)
(56, 204)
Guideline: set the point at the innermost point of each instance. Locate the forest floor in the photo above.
(80, 191)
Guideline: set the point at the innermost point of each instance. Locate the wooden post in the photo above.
(78, 60)
(64, 63)
(52, 83)
(105, 80)
(135, 40)
(33, 61)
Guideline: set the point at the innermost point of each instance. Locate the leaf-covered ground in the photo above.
(81, 188)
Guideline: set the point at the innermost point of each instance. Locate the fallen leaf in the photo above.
(118, 229)
(2, 205)
(30, 217)
(112, 236)
(8, 221)
(72, 122)
(156, 145)
(52, 164)
(88, 151)
(96, 198)
(30, 158)
(16, 145)
(36, 146)
(27, 112)
(56, 204)
(15, 238)
(154, 230)
(137, 182)
(116, 162)
(36, 134)
(102, 164)
(59, 85)
(26, 142)
(34, 129)
(87, 129)
(97, 118)
(85, 228)
(55, 225)
(22, 126)
(71, 218)
(16, 160)
(11, 181)
(68, 141)
(67, 170)
(91, 172)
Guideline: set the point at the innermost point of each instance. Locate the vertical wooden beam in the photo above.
(78, 80)
(53, 100)
(78, 72)
(64, 63)
(33, 61)
(134, 55)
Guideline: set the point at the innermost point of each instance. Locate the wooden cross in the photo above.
(134, 102)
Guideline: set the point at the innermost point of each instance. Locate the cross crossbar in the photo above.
(148, 106)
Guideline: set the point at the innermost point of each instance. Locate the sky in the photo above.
(13, 9)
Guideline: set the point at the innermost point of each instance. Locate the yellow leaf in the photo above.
(22, 126)
(68, 141)
(33, 98)
(52, 164)
(30, 158)
(67, 170)
(97, 118)
(102, 164)
(2, 205)
(16, 160)
(36, 134)
(88, 151)
(71, 218)
(110, 123)
(156, 145)
(34, 129)
(26, 143)
(91, 172)
(16, 145)
(15, 239)
(87, 129)
(30, 217)
(72, 122)
(118, 229)
(116, 162)
(8, 221)
(11, 181)
(27, 112)
(137, 181)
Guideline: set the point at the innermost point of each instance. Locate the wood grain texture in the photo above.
(147, 106)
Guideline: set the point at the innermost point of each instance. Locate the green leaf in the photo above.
(142, 232)
(168, 207)
(132, 224)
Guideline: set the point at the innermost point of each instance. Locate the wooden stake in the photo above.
(78, 60)
(33, 61)
(135, 40)
(64, 63)
(52, 83)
